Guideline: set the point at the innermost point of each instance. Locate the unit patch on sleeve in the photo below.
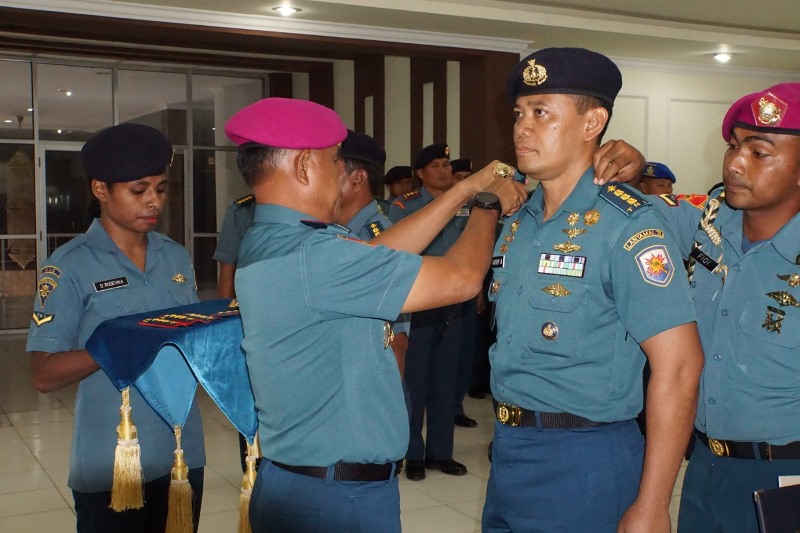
(642, 235)
(655, 265)
(46, 286)
(562, 265)
(40, 318)
(115, 283)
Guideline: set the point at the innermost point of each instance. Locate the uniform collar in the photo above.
(278, 214)
(97, 237)
(582, 197)
(785, 241)
(363, 216)
(425, 194)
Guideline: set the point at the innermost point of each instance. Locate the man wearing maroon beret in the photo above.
(333, 425)
(744, 269)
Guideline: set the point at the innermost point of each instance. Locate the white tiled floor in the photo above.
(35, 434)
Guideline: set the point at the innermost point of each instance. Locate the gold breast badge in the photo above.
(784, 299)
(388, 334)
(774, 320)
(792, 279)
(179, 278)
(557, 290)
(550, 331)
(590, 218)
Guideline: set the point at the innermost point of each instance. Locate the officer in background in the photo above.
(461, 168)
(584, 276)
(435, 338)
(332, 421)
(744, 269)
(238, 217)
(399, 180)
(657, 178)
(120, 266)
(360, 211)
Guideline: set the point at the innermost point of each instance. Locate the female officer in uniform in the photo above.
(120, 266)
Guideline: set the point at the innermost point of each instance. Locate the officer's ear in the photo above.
(301, 164)
(359, 179)
(596, 120)
(99, 190)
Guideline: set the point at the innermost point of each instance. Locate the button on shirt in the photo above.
(325, 388)
(750, 389)
(85, 282)
(569, 323)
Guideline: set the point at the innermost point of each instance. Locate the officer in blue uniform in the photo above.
(436, 334)
(584, 276)
(744, 269)
(360, 211)
(461, 168)
(656, 178)
(399, 180)
(332, 421)
(120, 266)
(237, 219)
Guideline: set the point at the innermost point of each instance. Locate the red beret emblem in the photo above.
(769, 110)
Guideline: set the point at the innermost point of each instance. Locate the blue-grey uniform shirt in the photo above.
(414, 201)
(85, 282)
(569, 322)
(368, 224)
(325, 387)
(750, 390)
(238, 217)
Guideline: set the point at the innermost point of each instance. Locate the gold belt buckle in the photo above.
(508, 414)
(719, 448)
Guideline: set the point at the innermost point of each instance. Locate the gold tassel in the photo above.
(248, 481)
(179, 514)
(127, 489)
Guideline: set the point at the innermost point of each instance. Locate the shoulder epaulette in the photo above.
(697, 200)
(622, 197)
(669, 199)
(244, 200)
(412, 194)
(330, 226)
(375, 228)
(315, 224)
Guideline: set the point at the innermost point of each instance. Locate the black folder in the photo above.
(778, 510)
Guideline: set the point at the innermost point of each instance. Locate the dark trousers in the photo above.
(467, 316)
(548, 480)
(285, 502)
(717, 493)
(94, 515)
(431, 368)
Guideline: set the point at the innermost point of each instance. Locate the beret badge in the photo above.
(769, 110)
(650, 170)
(447, 151)
(534, 74)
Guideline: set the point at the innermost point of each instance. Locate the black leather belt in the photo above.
(511, 415)
(348, 471)
(747, 450)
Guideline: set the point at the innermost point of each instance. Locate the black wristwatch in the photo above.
(488, 200)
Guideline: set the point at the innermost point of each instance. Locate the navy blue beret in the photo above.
(461, 165)
(565, 71)
(658, 170)
(125, 153)
(362, 147)
(429, 153)
(396, 174)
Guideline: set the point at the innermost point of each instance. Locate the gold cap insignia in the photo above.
(534, 74)
(769, 110)
(447, 151)
(179, 278)
(650, 170)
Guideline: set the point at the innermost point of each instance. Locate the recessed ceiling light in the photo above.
(59, 131)
(30, 109)
(286, 11)
(722, 57)
(8, 121)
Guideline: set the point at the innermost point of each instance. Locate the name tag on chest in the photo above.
(562, 265)
(105, 285)
(703, 260)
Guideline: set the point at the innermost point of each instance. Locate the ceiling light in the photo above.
(722, 57)
(59, 131)
(8, 121)
(30, 109)
(286, 11)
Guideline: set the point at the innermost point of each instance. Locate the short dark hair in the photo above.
(584, 103)
(374, 177)
(256, 160)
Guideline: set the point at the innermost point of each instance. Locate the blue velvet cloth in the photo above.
(166, 363)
